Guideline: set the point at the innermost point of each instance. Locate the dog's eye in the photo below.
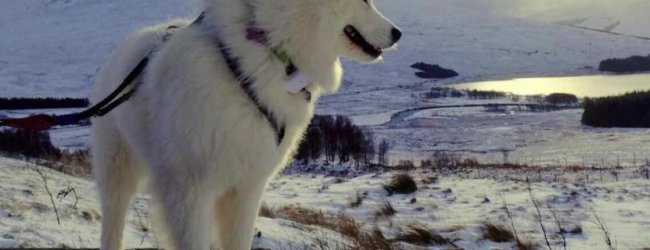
(365, 1)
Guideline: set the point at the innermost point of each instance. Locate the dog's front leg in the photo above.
(236, 212)
(187, 207)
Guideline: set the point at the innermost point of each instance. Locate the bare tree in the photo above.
(369, 148)
(382, 150)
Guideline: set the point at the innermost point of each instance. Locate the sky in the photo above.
(528, 7)
(621, 16)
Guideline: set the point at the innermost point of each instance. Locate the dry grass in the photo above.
(266, 211)
(496, 233)
(577, 229)
(430, 179)
(422, 236)
(76, 163)
(501, 234)
(385, 210)
(526, 245)
(401, 184)
(340, 223)
(345, 225)
(356, 200)
(406, 165)
(373, 240)
(453, 228)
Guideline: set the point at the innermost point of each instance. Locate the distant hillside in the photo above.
(54, 48)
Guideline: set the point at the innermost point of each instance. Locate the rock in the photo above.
(90, 215)
(433, 71)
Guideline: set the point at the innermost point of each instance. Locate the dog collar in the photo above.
(296, 81)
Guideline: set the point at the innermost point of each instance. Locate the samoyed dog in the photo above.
(220, 108)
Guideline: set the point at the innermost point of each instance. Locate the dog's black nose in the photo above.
(396, 34)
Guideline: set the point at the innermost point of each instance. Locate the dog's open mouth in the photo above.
(355, 36)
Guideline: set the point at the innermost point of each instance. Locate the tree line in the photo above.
(631, 64)
(27, 143)
(628, 110)
(42, 103)
(337, 138)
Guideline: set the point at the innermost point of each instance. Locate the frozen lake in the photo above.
(582, 86)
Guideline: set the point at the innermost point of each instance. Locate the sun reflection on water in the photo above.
(582, 86)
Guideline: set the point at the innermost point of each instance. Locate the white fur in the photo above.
(208, 150)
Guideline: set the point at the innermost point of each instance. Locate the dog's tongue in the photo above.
(298, 81)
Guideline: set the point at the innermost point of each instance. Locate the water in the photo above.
(582, 86)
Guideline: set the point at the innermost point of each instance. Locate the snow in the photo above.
(538, 138)
(28, 219)
(454, 205)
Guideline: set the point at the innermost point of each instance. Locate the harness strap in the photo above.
(114, 99)
(110, 102)
(246, 83)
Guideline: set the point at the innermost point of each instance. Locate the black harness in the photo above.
(246, 82)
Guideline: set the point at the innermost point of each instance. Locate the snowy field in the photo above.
(454, 205)
(555, 137)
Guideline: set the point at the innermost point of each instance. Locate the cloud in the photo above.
(537, 7)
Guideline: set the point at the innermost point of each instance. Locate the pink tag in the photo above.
(297, 82)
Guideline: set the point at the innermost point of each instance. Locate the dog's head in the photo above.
(317, 32)
(363, 32)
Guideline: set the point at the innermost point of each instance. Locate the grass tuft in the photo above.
(385, 210)
(341, 223)
(577, 229)
(526, 245)
(266, 211)
(356, 200)
(422, 236)
(374, 240)
(496, 233)
(401, 184)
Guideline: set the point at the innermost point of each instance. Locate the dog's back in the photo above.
(115, 166)
(129, 53)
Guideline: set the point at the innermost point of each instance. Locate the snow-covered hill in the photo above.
(28, 218)
(454, 206)
(54, 48)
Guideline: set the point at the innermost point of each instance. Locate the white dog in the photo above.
(220, 109)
